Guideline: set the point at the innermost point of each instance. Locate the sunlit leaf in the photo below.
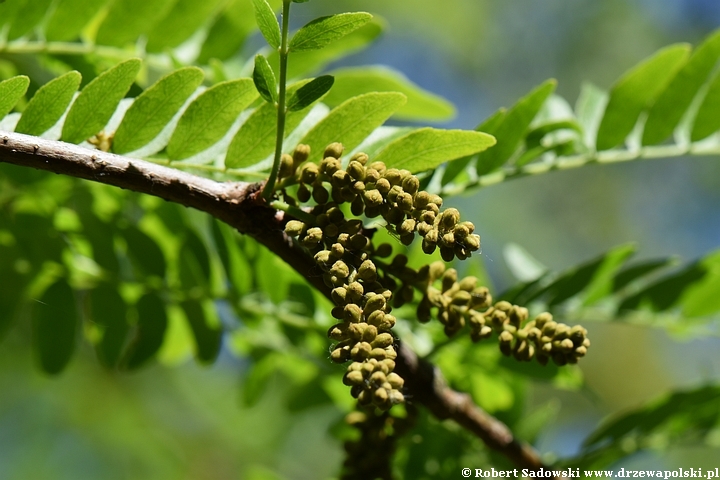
(635, 91)
(184, 19)
(69, 18)
(324, 30)
(427, 148)
(98, 100)
(48, 104)
(707, 121)
(208, 118)
(12, 90)
(510, 131)
(267, 22)
(154, 108)
(352, 121)
(672, 103)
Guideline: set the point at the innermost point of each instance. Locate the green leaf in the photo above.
(707, 121)
(303, 64)
(185, 18)
(672, 103)
(98, 100)
(325, 30)
(635, 91)
(510, 131)
(210, 116)
(108, 309)
(352, 121)
(427, 148)
(29, 16)
(256, 138)
(701, 299)
(145, 254)
(206, 329)
(267, 22)
(69, 18)
(634, 272)
(228, 32)
(194, 263)
(149, 331)
(310, 93)
(456, 167)
(154, 108)
(128, 19)
(421, 105)
(12, 90)
(589, 110)
(48, 104)
(667, 292)
(594, 278)
(237, 270)
(54, 321)
(265, 80)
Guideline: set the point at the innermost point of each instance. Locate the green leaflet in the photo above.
(634, 272)
(352, 121)
(128, 19)
(267, 22)
(194, 263)
(109, 310)
(48, 104)
(185, 18)
(146, 256)
(701, 298)
(427, 148)
(228, 32)
(69, 18)
(12, 90)
(256, 138)
(237, 270)
(456, 167)
(309, 93)
(149, 331)
(154, 108)
(206, 329)
(98, 100)
(672, 103)
(210, 116)
(707, 120)
(635, 91)
(264, 79)
(9, 10)
(325, 30)
(512, 128)
(421, 105)
(306, 63)
(29, 16)
(589, 109)
(54, 322)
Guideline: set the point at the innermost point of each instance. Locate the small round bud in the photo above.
(373, 198)
(334, 150)
(411, 184)
(320, 195)
(286, 166)
(294, 228)
(300, 154)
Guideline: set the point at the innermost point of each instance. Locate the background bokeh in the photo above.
(185, 421)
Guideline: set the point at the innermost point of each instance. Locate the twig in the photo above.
(238, 204)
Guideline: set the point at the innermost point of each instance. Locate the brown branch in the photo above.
(239, 205)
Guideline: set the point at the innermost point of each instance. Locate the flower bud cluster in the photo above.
(342, 252)
(461, 302)
(374, 190)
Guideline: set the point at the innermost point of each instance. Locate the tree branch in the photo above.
(240, 205)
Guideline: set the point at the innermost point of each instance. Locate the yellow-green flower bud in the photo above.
(300, 154)
(334, 150)
(294, 228)
(286, 166)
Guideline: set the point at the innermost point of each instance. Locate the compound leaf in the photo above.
(48, 104)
